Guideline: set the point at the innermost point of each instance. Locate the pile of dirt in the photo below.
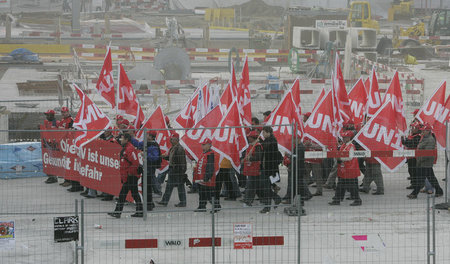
(258, 8)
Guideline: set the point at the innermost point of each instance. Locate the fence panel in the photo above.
(388, 228)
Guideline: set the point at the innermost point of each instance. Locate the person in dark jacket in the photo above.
(425, 164)
(296, 178)
(206, 172)
(129, 163)
(50, 122)
(411, 142)
(271, 161)
(177, 172)
(153, 163)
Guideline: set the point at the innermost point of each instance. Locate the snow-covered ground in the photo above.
(395, 228)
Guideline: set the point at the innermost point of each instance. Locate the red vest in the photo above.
(200, 170)
(65, 122)
(252, 168)
(348, 169)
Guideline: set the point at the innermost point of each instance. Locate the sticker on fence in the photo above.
(369, 243)
(243, 236)
(7, 235)
(66, 228)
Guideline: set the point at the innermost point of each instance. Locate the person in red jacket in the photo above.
(347, 172)
(206, 173)
(129, 163)
(66, 121)
(256, 182)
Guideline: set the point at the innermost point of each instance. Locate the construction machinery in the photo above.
(361, 15)
(438, 26)
(401, 9)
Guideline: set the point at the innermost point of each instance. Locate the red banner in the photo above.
(95, 166)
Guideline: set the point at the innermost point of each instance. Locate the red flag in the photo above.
(244, 96)
(230, 141)
(89, 117)
(192, 139)
(442, 114)
(295, 93)
(374, 98)
(340, 96)
(157, 121)
(127, 100)
(227, 98)
(281, 120)
(319, 99)
(320, 126)
(432, 108)
(203, 103)
(394, 95)
(358, 101)
(233, 80)
(185, 118)
(105, 82)
(381, 134)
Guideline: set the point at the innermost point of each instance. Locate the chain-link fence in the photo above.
(219, 214)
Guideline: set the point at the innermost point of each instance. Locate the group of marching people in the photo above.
(259, 172)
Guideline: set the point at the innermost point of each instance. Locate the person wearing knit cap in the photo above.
(256, 183)
(50, 122)
(206, 174)
(348, 172)
(177, 172)
(425, 164)
(153, 163)
(411, 142)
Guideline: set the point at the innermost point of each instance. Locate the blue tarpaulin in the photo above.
(20, 160)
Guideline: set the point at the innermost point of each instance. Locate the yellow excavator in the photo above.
(401, 9)
(361, 15)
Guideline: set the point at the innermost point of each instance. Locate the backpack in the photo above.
(154, 155)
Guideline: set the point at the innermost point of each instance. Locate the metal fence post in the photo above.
(213, 231)
(76, 241)
(428, 229)
(299, 211)
(82, 231)
(433, 222)
(294, 156)
(446, 165)
(144, 176)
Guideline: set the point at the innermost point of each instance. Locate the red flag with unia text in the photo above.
(185, 118)
(89, 119)
(374, 98)
(128, 103)
(192, 139)
(432, 108)
(244, 95)
(394, 95)
(321, 126)
(230, 140)
(282, 120)
(380, 134)
(105, 82)
(340, 96)
(358, 101)
(439, 127)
